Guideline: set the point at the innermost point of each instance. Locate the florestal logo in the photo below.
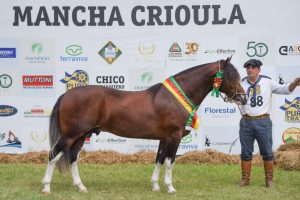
(209, 110)
(8, 53)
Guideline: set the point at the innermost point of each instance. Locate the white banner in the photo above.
(43, 42)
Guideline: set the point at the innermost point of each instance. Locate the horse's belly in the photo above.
(134, 128)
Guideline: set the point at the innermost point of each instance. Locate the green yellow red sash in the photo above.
(177, 92)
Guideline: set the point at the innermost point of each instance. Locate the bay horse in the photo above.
(150, 114)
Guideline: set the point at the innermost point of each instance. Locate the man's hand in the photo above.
(294, 84)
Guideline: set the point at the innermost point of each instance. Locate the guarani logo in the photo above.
(147, 77)
(37, 48)
(110, 52)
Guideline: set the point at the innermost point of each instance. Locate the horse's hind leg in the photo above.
(75, 150)
(54, 155)
(160, 158)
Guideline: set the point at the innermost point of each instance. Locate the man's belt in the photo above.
(246, 116)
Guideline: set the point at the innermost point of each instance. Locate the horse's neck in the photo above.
(197, 83)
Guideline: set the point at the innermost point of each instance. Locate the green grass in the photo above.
(132, 181)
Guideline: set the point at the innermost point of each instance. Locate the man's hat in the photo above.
(253, 62)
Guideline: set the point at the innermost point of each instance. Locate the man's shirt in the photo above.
(259, 95)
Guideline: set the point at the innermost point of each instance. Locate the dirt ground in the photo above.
(286, 157)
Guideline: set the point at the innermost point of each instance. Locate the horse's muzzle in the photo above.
(240, 99)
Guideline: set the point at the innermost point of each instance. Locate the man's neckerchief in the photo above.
(252, 86)
(177, 92)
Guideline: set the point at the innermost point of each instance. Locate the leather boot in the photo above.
(269, 169)
(246, 171)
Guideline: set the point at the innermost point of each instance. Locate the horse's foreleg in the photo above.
(54, 155)
(74, 167)
(172, 146)
(160, 158)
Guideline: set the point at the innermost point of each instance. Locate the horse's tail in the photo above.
(63, 164)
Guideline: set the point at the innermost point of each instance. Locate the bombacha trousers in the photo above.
(259, 130)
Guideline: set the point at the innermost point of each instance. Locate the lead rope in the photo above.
(239, 136)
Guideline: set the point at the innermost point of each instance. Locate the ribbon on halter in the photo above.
(177, 92)
(217, 82)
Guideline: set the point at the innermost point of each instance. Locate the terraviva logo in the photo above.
(187, 139)
(74, 51)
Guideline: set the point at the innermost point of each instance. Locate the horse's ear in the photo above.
(227, 60)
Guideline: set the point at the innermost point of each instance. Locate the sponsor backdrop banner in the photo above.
(49, 47)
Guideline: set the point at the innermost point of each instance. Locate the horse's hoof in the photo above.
(155, 189)
(172, 191)
(46, 191)
(83, 190)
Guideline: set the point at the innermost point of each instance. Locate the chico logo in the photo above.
(6, 110)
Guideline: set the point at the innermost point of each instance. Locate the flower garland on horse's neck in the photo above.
(217, 82)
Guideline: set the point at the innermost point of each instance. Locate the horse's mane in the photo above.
(231, 74)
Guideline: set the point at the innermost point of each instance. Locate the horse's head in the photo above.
(231, 85)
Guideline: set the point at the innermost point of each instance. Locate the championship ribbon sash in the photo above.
(177, 92)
